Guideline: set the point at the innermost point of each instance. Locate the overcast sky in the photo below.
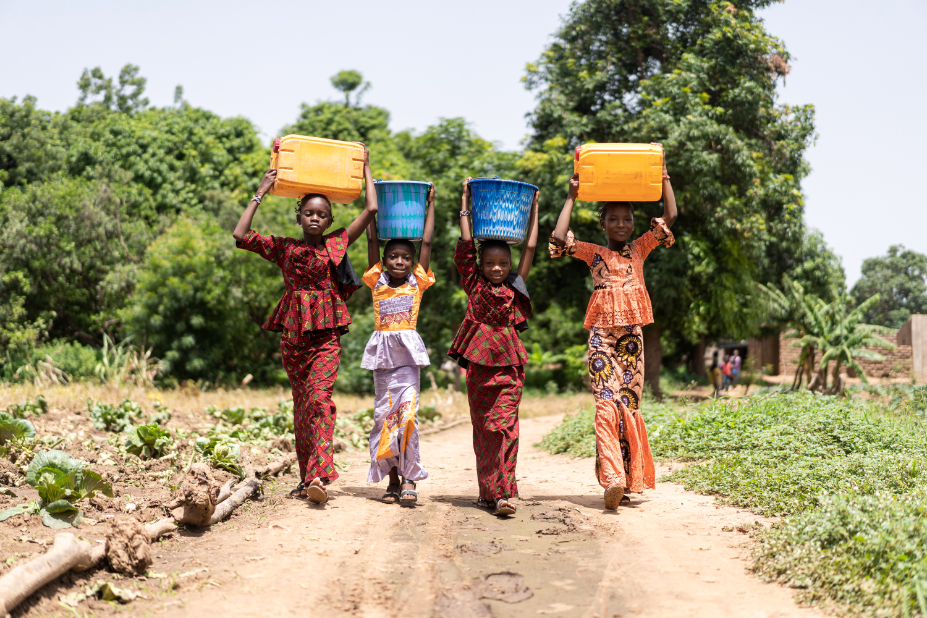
(860, 62)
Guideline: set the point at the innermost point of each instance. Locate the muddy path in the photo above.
(561, 555)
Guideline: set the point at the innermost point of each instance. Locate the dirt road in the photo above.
(561, 555)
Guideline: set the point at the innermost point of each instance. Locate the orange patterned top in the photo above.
(619, 296)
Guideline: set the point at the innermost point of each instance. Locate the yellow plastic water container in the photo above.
(619, 172)
(315, 165)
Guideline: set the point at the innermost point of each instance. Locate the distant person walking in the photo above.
(714, 374)
(726, 373)
(735, 367)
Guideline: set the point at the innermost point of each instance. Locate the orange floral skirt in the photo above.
(616, 368)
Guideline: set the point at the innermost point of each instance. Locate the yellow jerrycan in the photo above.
(315, 165)
(619, 172)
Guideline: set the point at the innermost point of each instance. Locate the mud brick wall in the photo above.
(898, 363)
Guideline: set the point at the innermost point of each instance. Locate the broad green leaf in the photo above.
(16, 510)
(92, 482)
(59, 521)
(58, 460)
(60, 506)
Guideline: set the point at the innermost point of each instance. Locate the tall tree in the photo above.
(900, 280)
(699, 77)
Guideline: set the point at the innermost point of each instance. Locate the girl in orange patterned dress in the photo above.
(619, 307)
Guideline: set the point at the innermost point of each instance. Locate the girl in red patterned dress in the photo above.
(619, 307)
(488, 347)
(311, 318)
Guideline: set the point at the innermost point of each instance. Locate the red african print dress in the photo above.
(487, 345)
(619, 307)
(311, 317)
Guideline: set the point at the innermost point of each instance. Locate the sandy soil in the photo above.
(561, 555)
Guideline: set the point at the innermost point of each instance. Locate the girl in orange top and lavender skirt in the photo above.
(396, 354)
(619, 307)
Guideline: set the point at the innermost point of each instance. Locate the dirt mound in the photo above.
(284, 444)
(9, 474)
(195, 501)
(128, 547)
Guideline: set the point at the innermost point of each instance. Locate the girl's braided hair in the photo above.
(302, 202)
(603, 211)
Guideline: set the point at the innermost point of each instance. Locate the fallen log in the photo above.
(66, 554)
(225, 491)
(426, 432)
(275, 467)
(240, 493)
(195, 501)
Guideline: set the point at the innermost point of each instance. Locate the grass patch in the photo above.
(849, 476)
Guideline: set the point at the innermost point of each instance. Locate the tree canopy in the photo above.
(900, 280)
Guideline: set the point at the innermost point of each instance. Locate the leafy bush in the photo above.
(76, 360)
(780, 454)
(62, 482)
(575, 435)
(865, 553)
(35, 408)
(15, 430)
(147, 441)
(222, 454)
(113, 418)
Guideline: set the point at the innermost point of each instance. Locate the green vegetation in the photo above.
(846, 474)
(35, 408)
(221, 454)
(15, 430)
(62, 482)
(147, 441)
(113, 418)
(900, 280)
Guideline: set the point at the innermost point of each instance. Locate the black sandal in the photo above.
(300, 492)
(408, 496)
(483, 503)
(391, 496)
(508, 509)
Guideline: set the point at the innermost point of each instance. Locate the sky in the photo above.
(859, 62)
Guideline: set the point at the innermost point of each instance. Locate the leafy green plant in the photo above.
(35, 408)
(223, 454)
(147, 441)
(161, 415)
(15, 430)
(113, 418)
(62, 482)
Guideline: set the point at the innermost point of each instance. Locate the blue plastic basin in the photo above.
(501, 209)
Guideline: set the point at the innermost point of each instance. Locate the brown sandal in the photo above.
(316, 493)
(299, 492)
(613, 496)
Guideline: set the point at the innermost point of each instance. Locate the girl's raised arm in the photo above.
(359, 224)
(424, 254)
(527, 255)
(563, 223)
(465, 218)
(373, 244)
(244, 224)
(669, 199)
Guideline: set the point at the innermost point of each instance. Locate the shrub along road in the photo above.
(667, 554)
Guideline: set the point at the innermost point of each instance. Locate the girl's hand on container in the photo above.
(574, 186)
(267, 182)
(366, 154)
(537, 197)
(664, 155)
(466, 185)
(431, 193)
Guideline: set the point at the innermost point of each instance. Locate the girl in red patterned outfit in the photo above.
(619, 307)
(488, 347)
(311, 318)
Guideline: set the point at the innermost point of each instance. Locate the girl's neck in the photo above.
(312, 240)
(616, 245)
(396, 283)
